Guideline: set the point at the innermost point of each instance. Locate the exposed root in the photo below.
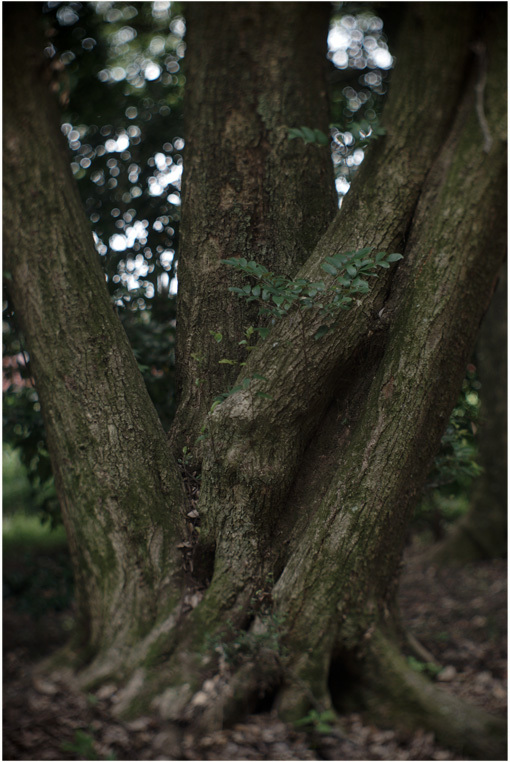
(230, 696)
(216, 664)
(397, 695)
(207, 682)
(422, 653)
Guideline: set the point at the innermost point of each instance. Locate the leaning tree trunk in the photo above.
(119, 489)
(314, 481)
(306, 489)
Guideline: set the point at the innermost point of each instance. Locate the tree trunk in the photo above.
(482, 533)
(120, 491)
(265, 198)
(306, 489)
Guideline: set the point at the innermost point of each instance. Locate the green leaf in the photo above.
(394, 257)
(258, 271)
(338, 260)
(321, 138)
(303, 721)
(227, 362)
(278, 300)
(256, 291)
(322, 331)
(263, 331)
(231, 262)
(351, 270)
(365, 251)
(418, 666)
(294, 132)
(259, 377)
(309, 135)
(263, 395)
(360, 285)
(328, 268)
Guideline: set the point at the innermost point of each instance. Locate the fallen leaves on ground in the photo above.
(458, 615)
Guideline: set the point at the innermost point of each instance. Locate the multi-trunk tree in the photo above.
(251, 554)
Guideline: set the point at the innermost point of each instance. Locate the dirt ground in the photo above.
(458, 615)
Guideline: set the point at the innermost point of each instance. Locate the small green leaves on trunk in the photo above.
(309, 135)
(276, 294)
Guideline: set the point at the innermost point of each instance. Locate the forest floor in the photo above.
(458, 614)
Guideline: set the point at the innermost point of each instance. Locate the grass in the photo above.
(22, 533)
(37, 574)
(22, 529)
(17, 492)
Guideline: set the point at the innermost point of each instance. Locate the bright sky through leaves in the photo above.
(140, 58)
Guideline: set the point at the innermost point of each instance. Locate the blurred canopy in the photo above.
(117, 71)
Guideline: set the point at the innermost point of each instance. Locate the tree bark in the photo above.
(411, 336)
(259, 444)
(305, 491)
(247, 189)
(120, 491)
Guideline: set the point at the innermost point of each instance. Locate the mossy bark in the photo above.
(389, 372)
(398, 696)
(119, 488)
(306, 492)
(248, 191)
(258, 444)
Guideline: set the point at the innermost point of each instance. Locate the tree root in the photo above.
(396, 694)
(230, 696)
(216, 687)
(420, 651)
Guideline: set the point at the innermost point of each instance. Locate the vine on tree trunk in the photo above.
(276, 294)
